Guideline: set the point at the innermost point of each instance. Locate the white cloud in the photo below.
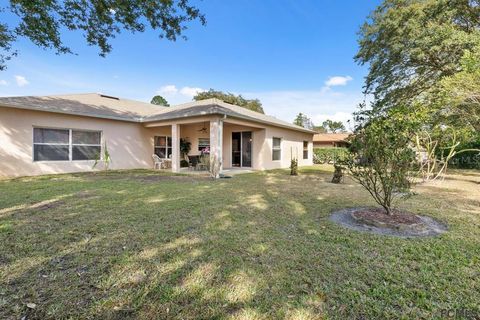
(190, 92)
(21, 81)
(3, 83)
(175, 95)
(319, 105)
(168, 89)
(338, 81)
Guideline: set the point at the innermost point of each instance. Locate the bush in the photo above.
(382, 159)
(468, 159)
(294, 167)
(183, 164)
(329, 155)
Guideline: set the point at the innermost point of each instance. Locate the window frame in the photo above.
(279, 148)
(204, 147)
(167, 146)
(70, 145)
(305, 149)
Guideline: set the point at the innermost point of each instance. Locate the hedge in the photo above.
(329, 155)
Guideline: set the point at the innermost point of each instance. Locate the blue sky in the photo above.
(294, 55)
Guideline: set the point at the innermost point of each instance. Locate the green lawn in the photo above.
(139, 244)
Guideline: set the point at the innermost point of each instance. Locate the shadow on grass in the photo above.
(256, 246)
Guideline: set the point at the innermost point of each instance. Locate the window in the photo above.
(204, 145)
(65, 144)
(305, 149)
(276, 149)
(86, 145)
(163, 146)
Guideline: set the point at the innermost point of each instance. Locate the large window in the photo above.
(276, 149)
(65, 144)
(163, 146)
(204, 144)
(305, 149)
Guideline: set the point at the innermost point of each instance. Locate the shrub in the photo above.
(382, 159)
(329, 155)
(183, 163)
(467, 159)
(294, 167)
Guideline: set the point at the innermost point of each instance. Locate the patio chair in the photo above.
(192, 162)
(157, 162)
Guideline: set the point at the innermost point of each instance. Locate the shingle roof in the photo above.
(87, 104)
(216, 106)
(330, 137)
(103, 106)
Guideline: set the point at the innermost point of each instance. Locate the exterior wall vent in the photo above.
(109, 97)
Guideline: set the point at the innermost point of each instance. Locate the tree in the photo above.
(302, 120)
(160, 101)
(253, 104)
(99, 21)
(382, 159)
(411, 46)
(458, 96)
(334, 126)
(320, 129)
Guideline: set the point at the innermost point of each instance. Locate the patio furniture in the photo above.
(157, 162)
(193, 162)
(167, 163)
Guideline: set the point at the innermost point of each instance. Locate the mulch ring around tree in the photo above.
(400, 224)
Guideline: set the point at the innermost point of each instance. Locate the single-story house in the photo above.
(66, 133)
(328, 140)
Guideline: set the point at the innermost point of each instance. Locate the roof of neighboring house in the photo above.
(103, 106)
(330, 137)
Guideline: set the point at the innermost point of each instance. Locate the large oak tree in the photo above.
(45, 22)
(411, 45)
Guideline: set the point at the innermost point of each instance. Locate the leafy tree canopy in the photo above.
(333, 126)
(320, 129)
(160, 101)
(458, 96)
(99, 21)
(253, 104)
(411, 45)
(303, 120)
(381, 157)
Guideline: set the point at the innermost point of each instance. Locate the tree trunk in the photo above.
(388, 210)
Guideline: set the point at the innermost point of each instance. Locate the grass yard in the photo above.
(139, 244)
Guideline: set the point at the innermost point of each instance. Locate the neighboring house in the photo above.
(65, 133)
(326, 140)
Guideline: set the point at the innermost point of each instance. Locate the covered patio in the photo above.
(230, 143)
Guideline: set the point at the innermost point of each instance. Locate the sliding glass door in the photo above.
(242, 149)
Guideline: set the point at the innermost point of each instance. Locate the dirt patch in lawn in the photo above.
(400, 224)
(377, 217)
(48, 205)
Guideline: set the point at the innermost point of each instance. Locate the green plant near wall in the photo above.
(185, 147)
(103, 157)
(293, 164)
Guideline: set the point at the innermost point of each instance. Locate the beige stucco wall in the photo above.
(129, 144)
(291, 143)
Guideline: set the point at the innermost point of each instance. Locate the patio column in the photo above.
(175, 147)
(216, 141)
